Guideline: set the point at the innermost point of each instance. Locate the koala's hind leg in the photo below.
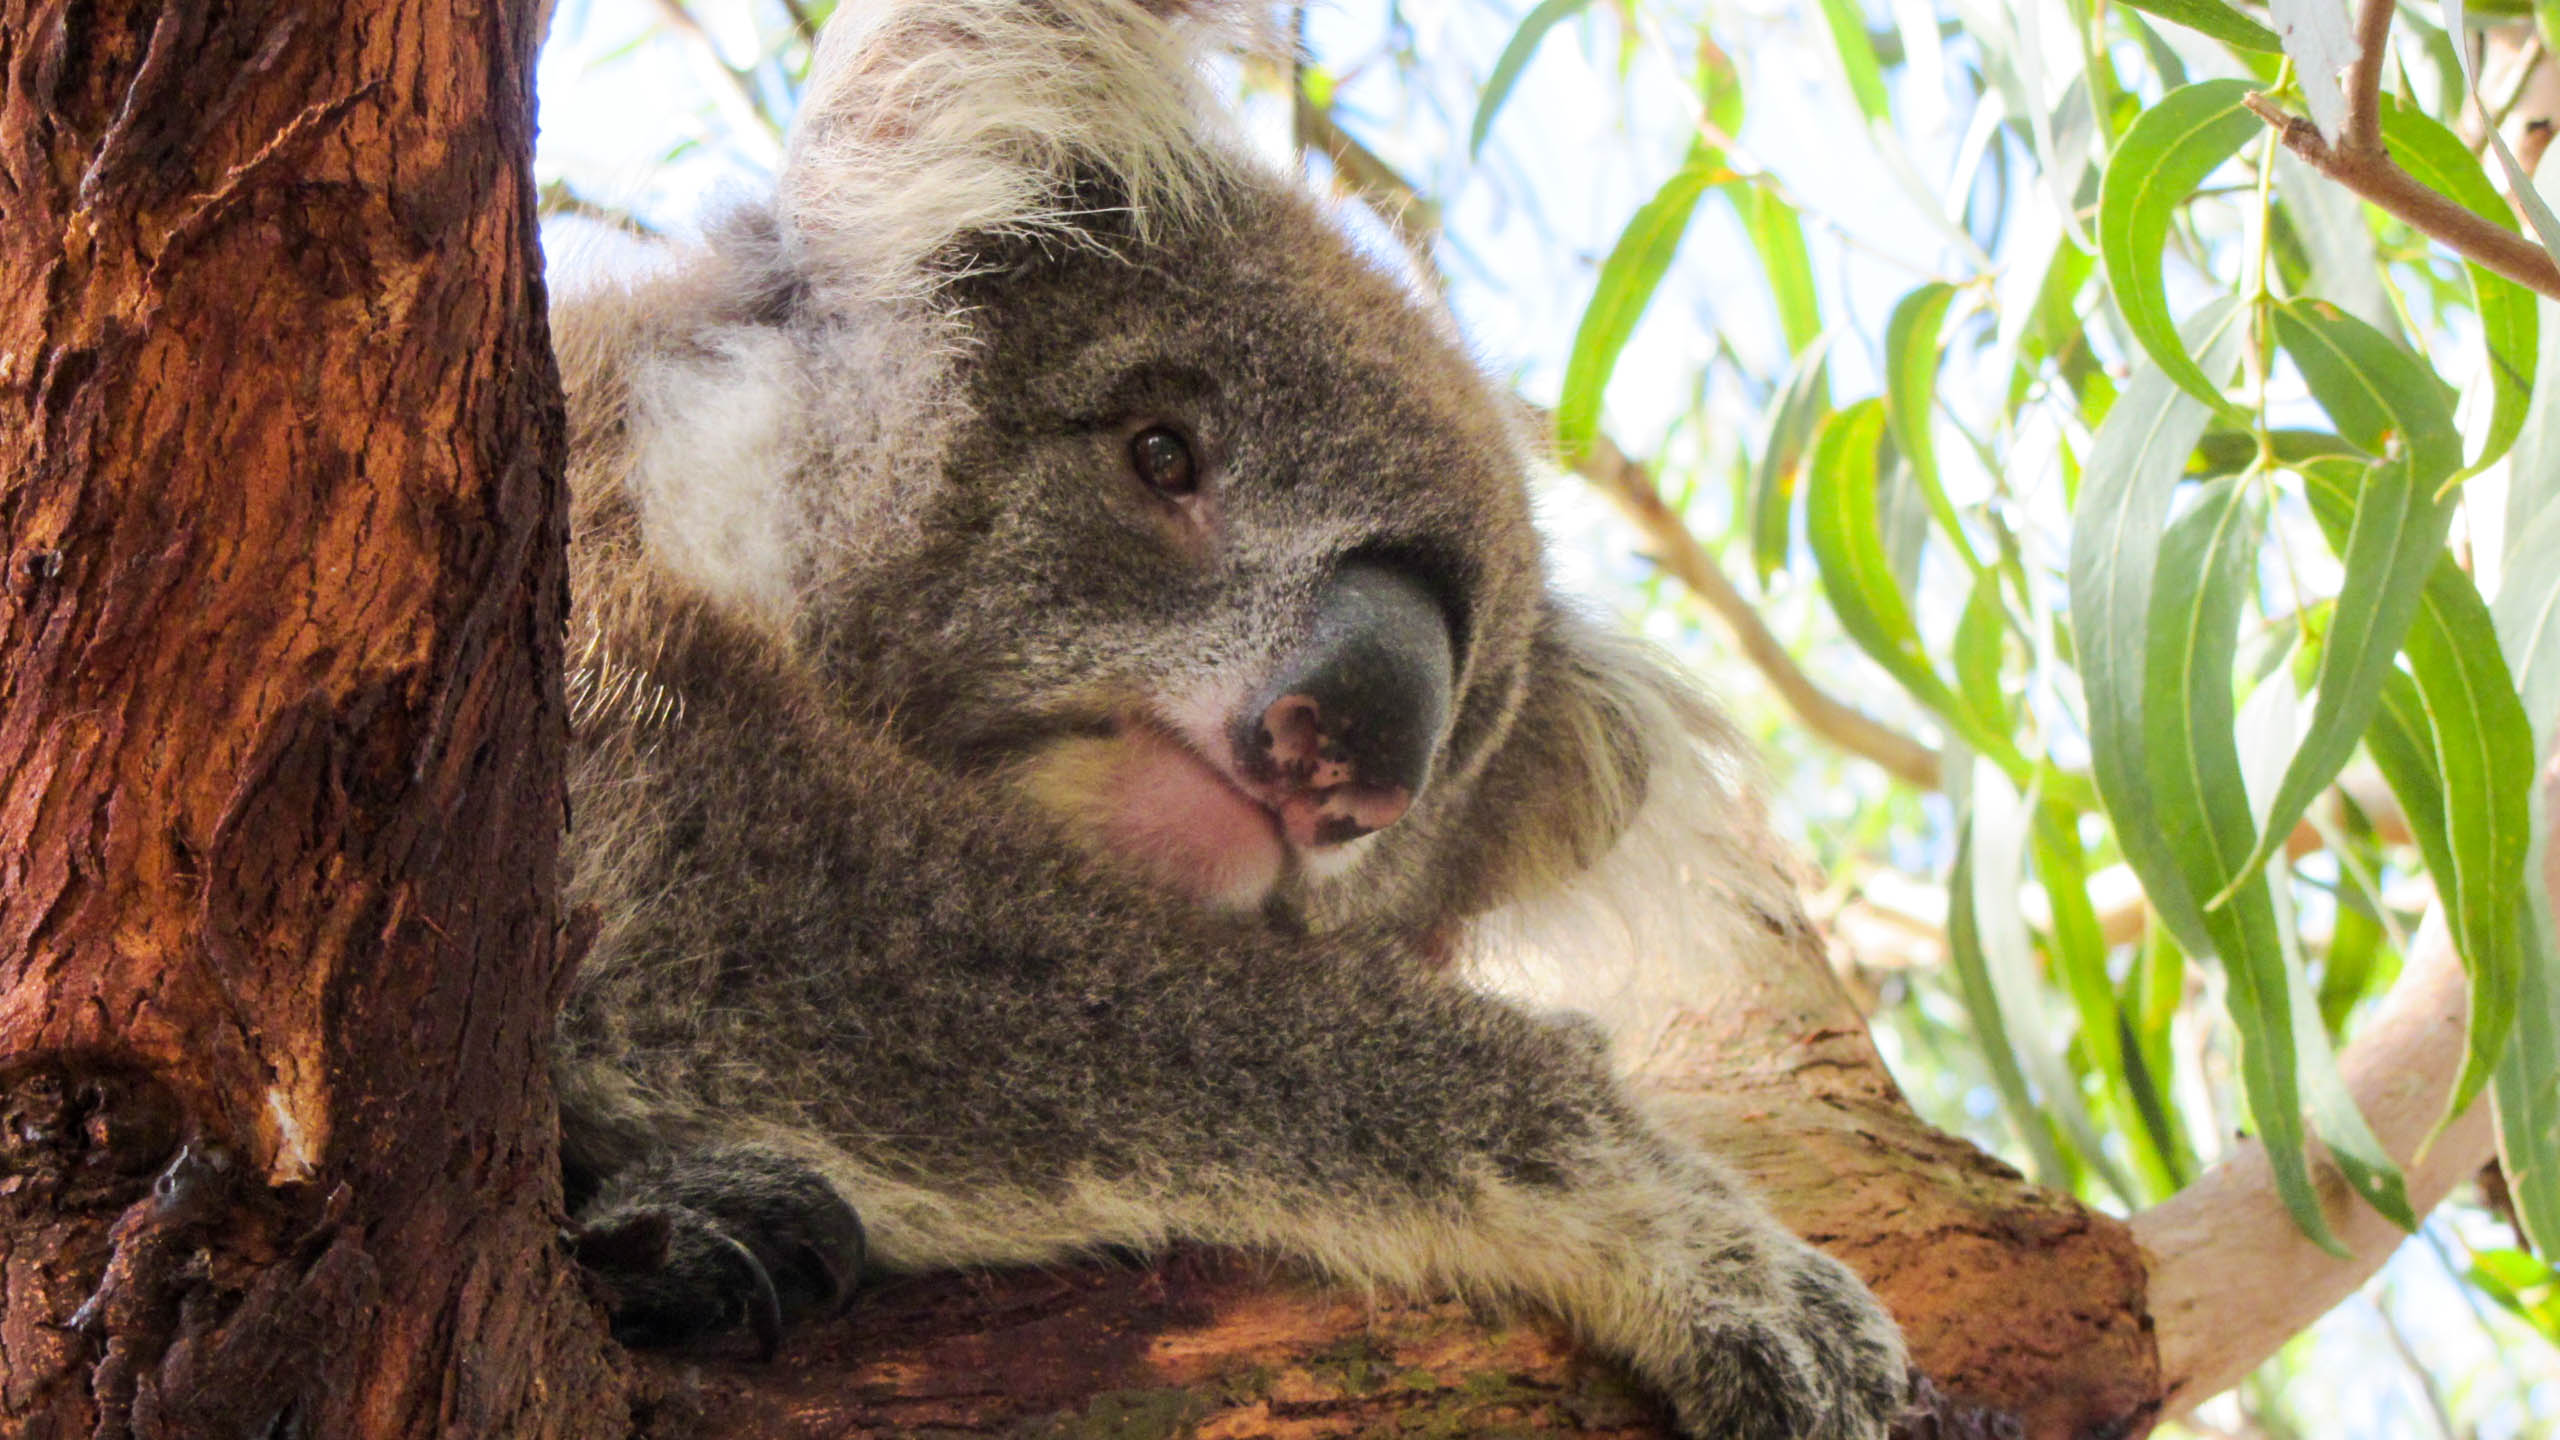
(698, 1242)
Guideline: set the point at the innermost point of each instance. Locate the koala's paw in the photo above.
(700, 1244)
(1814, 1358)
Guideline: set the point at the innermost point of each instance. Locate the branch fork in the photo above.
(2359, 160)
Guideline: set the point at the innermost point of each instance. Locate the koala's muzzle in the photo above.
(1342, 737)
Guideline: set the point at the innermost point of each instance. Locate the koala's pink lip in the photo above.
(1181, 816)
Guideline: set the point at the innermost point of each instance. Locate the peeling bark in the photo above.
(280, 730)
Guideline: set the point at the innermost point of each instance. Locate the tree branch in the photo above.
(2363, 130)
(1416, 221)
(2232, 1277)
(2371, 173)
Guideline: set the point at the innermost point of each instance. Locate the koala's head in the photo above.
(1135, 487)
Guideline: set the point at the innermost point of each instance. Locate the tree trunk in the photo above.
(280, 730)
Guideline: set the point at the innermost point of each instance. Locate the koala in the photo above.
(1067, 708)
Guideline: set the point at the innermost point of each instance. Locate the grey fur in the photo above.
(864, 580)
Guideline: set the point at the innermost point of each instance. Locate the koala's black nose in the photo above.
(1342, 737)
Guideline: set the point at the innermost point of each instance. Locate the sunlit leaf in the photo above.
(1848, 550)
(1979, 634)
(1783, 442)
(1844, 527)
(2215, 19)
(2115, 559)
(2379, 396)
(1628, 279)
(1777, 237)
(1990, 1025)
(1848, 25)
(2207, 565)
(2510, 320)
(2000, 821)
(1911, 355)
(2320, 37)
(2160, 161)
(1514, 58)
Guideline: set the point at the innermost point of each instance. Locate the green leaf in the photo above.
(1848, 24)
(2418, 747)
(2134, 467)
(2167, 153)
(2079, 950)
(2526, 1085)
(2207, 565)
(1628, 279)
(2510, 322)
(2368, 1168)
(1848, 549)
(2452, 743)
(2216, 19)
(1514, 58)
(1777, 236)
(2378, 395)
(1911, 355)
(2001, 822)
(1843, 526)
(1786, 436)
(1978, 653)
(1990, 1026)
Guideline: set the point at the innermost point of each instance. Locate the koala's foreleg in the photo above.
(1422, 1143)
(994, 1051)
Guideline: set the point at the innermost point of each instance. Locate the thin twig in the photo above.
(686, 23)
(2363, 130)
(1416, 221)
(800, 20)
(1678, 551)
(558, 199)
(2373, 175)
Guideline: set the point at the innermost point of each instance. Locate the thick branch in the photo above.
(2232, 1277)
(2372, 174)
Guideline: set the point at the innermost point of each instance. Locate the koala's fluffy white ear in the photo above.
(1690, 888)
(930, 121)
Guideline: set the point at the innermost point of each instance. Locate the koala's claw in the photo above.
(702, 1244)
(674, 1275)
(1822, 1362)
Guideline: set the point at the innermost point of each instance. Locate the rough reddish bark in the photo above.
(280, 730)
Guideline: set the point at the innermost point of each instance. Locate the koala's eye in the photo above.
(1163, 459)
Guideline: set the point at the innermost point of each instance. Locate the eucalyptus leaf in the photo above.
(2207, 566)
(2167, 153)
(2510, 315)
(2378, 395)
(1628, 279)
(1515, 57)
(2134, 468)
(2213, 18)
